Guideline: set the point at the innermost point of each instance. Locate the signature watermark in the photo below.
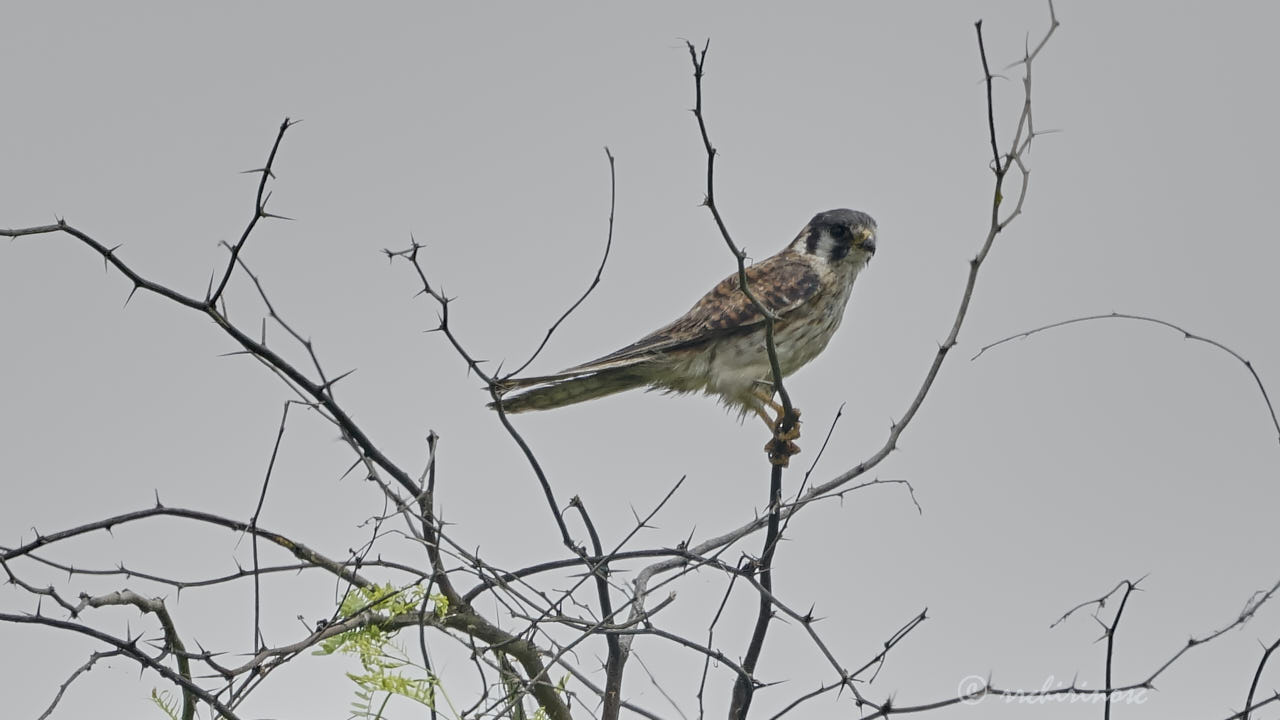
(974, 689)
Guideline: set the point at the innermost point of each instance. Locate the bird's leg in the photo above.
(775, 422)
(768, 420)
(781, 447)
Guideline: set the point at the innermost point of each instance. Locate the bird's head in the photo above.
(839, 236)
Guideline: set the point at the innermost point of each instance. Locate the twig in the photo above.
(1101, 602)
(300, 551)
(1111, 644)
(744, 687)
(991, 106)
(94, 658)
(600, 571)
(1186, 334)
(258, 639)
(473, 365)
(1257, 675)
(831, 429)
(711, 631)
(608, 245)
(259, 212)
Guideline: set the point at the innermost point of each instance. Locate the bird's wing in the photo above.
(782, 283)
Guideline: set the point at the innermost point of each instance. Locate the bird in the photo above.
(718, 346)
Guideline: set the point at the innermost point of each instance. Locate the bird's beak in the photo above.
(868, 242)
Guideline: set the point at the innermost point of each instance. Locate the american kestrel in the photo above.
(718, 347)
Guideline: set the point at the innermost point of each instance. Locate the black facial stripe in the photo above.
(835, 248)
(840, 249)
(811, 242)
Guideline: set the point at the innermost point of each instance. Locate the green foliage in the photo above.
(166, 702)
(388, 669)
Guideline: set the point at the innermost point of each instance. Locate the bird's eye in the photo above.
(839, 232)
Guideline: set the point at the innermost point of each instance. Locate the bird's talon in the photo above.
(793, 432)
(780, 451)
(787, 435)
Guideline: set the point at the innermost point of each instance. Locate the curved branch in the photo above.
(1257, 675)
(608, 245)
(1186, 334)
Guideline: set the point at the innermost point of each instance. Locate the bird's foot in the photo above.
(789, 433)
(780, 451)
(781, 448)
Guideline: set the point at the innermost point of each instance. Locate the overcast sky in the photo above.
(1048, 470)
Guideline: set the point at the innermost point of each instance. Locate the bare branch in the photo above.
(259, 212)
(1257, 675)
(300, 551)
(608, 245)
(62, 689)
(1186, 334)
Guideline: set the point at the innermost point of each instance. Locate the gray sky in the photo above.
(1048, 470)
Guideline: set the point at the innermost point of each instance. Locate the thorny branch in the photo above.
(604, 259)
(317, 391)
(494, 383)
(128, 647)
(319, 394)
(1257, 675)
(1133, 689)
(62, 689)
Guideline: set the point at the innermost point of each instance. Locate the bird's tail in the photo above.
(568, 391)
